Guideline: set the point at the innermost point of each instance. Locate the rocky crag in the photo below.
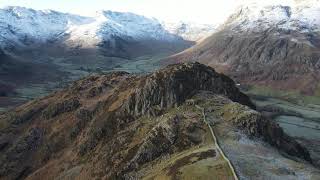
(124, 126)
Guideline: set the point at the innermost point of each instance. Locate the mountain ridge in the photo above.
(276, 46)
(44, 25)
(117, 124)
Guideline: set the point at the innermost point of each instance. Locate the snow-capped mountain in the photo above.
(190, 31)
(301, 16)
(108, 24)
(275, 44)
(136, 26)
(23, 26)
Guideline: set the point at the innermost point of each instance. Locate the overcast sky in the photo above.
(201, 11)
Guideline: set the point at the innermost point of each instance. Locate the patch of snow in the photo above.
(302, 16)
(189, 30)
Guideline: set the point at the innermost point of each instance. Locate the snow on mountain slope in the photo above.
(274, 44)
(298, 15)
(108, 24)
(21, 25)
(24, 26)
(137, 26)
(190, 31)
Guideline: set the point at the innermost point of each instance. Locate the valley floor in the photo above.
(298, 115)
(31, 90)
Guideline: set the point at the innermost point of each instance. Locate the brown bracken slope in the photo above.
(275, 57)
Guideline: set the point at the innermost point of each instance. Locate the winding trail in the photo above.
(217, 143)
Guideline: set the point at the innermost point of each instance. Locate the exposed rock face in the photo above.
(114, 125)
(160, 141)
(61, 107)
(173, 85)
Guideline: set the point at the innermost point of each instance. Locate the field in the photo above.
(288, 96)
(142, 64)
(297, 114)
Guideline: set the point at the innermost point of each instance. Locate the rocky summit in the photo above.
(156, 126)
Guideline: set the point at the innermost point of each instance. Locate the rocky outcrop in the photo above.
(254, 124)
(61, 107)
(158, 142)
(23, 147)
(25, 115)
(173, 85)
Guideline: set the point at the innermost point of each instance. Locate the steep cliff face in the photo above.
(117, 124)
(173, 85)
